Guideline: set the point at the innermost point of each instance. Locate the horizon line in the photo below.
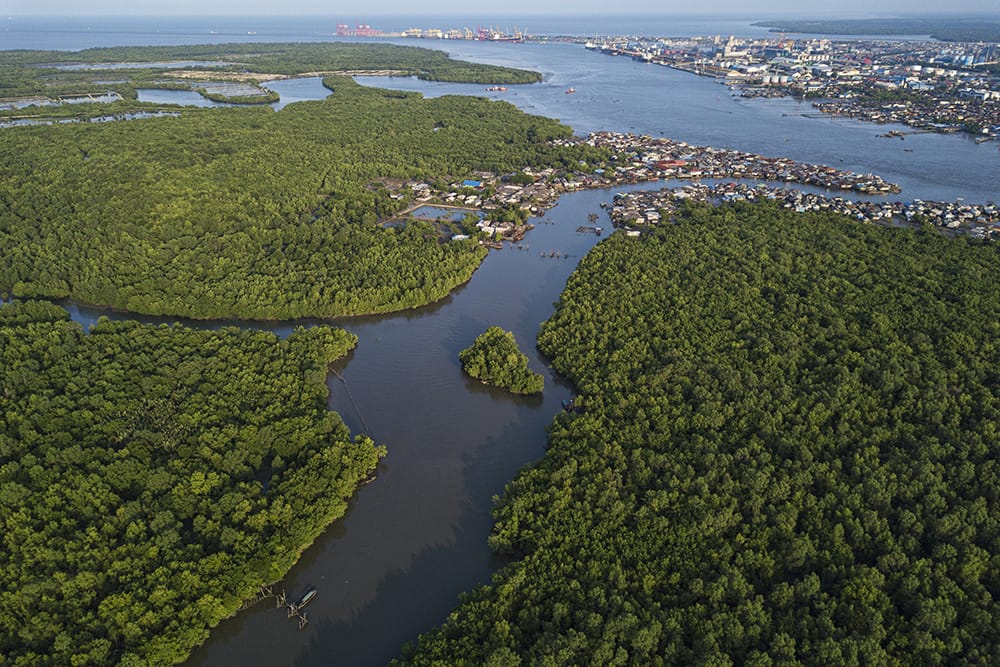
(783, 15)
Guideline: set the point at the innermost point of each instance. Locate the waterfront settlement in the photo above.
(635, 211)
(506, 200)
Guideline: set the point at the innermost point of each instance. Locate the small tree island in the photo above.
(495, 359)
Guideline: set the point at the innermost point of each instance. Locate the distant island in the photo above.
(495, 358)
(978, 29)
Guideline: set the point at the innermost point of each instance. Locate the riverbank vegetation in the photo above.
(495, 358)
(784, 451)
(264, 97)
(153, 477)
(252, 213)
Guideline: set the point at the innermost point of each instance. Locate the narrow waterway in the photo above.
(417, 537)
(297, 89)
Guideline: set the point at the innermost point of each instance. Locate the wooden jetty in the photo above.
(295, 608)
(264, 593)
(281, 600)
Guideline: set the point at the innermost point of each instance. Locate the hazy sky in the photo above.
(789, 8)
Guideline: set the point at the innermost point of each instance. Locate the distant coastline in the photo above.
(969, 29)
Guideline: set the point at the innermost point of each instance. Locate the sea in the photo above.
(416, 538)
(81, 32)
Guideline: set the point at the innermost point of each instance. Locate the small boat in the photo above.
(570, 91)
(306, 598)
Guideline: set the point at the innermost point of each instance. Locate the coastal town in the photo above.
(930, 86)
(634, 159)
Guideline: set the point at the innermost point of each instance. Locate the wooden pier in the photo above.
(280, 600)
(264, 593)
(293, 610)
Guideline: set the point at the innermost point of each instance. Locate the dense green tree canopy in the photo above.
(786, 452)
(151, 478)
(495, 358)
(250, 212)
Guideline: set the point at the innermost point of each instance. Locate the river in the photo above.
(416, 538)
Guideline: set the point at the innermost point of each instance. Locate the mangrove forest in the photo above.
(785, 451)
(253, 213)
(495, 359)
(154, 477)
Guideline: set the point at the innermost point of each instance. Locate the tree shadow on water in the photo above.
(407, 603)
(412, 600)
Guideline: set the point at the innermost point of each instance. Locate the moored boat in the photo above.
(306, 598)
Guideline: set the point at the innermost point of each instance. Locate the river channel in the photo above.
(292, 90)
(416, 538)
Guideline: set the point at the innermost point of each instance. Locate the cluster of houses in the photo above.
(632, 159)
(637, 210)
(939, 113)
(532, 193)
(638, 159)
(488, 191)
(644, 158)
